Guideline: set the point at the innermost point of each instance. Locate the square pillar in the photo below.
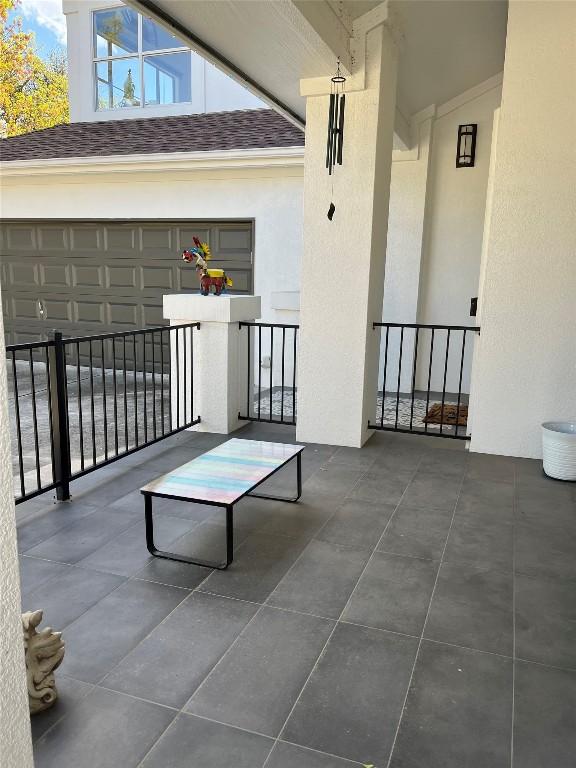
(343, 259)
(218, 364)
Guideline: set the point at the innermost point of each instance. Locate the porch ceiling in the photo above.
(449, 45)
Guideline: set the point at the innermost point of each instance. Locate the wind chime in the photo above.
(335, 139)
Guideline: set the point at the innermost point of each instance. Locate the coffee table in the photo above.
(220, 478)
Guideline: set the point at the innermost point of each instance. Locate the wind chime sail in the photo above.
(337, 107)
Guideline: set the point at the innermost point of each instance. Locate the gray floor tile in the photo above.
(546, 507)
(174, 659)
(70, 693)
(432, 490)
(333, 480)
(484, 466)
(173, 573)
(321, 580)
(357, 524)
(383, 486)
(105, 493)
(127, 553)
(472, 607)
(85, 536)
(417, 532)
(34, 572)
(546, 621)
(488, 544)
(192, 742)
(393, 593)
(53, 518)
(290, 756)
(544, 717)
(458, 711)
(354, 458)
(259, 564)
(103, 635)
(67, 596)
(486, 500)
(134, 502)
(105, 730)
(303, 519)
(258, 680)
(451, 464)
(544, 551)
(353, 700)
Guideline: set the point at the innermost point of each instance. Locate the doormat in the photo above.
(450, 414)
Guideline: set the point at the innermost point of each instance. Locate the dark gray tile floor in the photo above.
(416, 610)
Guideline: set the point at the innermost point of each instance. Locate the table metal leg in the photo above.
(296, 498)
(221, 566)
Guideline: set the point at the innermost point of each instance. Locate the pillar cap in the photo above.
(194, 308)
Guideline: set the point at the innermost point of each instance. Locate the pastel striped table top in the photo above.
(226, 473)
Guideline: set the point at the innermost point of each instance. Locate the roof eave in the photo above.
(160, 161)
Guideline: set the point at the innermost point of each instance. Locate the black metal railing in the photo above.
(81, 403)
(271, 370)
(424, 379)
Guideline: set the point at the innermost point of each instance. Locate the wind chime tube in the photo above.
(341, 128)
(330, 126)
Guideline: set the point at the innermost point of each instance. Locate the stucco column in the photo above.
(217, 367)
(525, 358)
(343, 259)
(15, 739)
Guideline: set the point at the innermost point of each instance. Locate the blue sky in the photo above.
(46, 20)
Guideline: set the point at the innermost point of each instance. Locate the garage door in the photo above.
(93, 277)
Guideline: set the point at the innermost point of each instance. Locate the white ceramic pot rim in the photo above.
(562, 427)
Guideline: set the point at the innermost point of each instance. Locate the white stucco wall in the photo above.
(525, 371)
(212, 90)
(454, 227)
(271, 196)
(15, 740)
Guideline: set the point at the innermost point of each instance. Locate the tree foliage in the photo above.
(33, 92)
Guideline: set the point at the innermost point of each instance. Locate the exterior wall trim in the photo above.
(173, 161)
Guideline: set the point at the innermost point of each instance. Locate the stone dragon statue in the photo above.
(44, 651)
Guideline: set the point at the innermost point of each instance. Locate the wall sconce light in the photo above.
(466, 148)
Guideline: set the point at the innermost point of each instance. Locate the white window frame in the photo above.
(139, 54)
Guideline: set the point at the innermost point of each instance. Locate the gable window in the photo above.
(138, 63)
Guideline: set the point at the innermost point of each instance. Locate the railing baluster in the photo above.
(444, 381)
(429, 379)
(170, 378)
(126, 435)
(91, 363)
(294, 378)
(259, 367)
(162, 380)
(80, 418)
(177, 378)
(271, 367)
(104, 403)
(136, 432)
(50, 420)
(460, 381)
(18, 426)
(192, 417)
(384, 375)
(114, 381)
(414, 376)
(144, 382)
(283, 366)
(35, 420)
(185, 364)
(249, 393)
(154, 431)
(399, 374)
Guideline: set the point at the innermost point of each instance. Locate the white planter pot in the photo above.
(559, 449)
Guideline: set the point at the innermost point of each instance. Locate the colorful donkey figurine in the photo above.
(209, 278)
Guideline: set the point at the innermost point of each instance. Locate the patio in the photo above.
(416, 609)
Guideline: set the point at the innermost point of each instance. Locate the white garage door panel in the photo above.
(94, 277)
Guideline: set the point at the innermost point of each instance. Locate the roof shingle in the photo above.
(207, 132)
